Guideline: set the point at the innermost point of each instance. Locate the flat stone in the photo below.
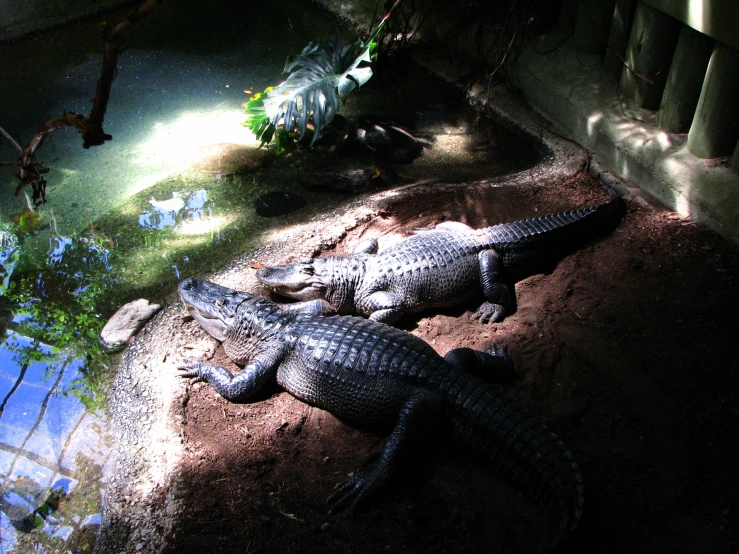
(125, 323)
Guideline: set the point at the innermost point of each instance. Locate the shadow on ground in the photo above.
(626, 349)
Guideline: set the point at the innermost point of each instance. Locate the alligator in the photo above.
(377, 377)
(441, 267)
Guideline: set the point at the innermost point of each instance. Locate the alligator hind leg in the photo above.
(417, 417)
(366, 246)
(498, 295)
(494, 364)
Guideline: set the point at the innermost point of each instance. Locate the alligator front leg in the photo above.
(417, 416)
(234, 388)
(384, 307)
(312, 307)
(499, 297)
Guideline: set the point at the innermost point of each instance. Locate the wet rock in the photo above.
(125, 323)
(227, 158)
(389, 143)
(277, 203)
(352, 181)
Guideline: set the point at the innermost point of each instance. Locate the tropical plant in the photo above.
(320, 77)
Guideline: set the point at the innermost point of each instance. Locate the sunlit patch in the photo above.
(149, 181)
(593, 121)
(173, 143)
(695, 14)
(203, 226)
(455, 147)
(664, 141)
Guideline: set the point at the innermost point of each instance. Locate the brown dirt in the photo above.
(626, 348)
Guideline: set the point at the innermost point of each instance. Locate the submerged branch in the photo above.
(30, 171)
(114, 39)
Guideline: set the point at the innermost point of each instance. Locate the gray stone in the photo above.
(125, 323)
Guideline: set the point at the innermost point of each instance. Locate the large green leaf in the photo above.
(320, 77)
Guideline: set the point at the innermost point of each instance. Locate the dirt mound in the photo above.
(626, 348)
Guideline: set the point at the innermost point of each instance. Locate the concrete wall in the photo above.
(585, 101)
(719, 19)
(21, 17)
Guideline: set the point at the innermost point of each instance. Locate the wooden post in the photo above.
(592, 26)
(567, 16)
(684, 81)
(618, 36)
(715, 127)
(648, 55)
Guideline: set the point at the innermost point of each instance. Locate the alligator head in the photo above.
(306, 280)
(333, 279)
(211, 305)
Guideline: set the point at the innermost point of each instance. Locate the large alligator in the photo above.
(374, 376)
(441, 267)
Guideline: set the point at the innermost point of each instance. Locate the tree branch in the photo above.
(30, 171)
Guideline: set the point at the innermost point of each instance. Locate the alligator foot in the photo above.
(494, 364)
(356, 489)
(191, 368)
(489, 313)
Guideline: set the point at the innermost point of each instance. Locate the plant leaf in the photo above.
(319, 78)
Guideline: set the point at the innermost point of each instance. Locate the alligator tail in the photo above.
(522, 450)
(559, 226)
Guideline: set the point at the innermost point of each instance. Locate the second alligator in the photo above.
(440, 267)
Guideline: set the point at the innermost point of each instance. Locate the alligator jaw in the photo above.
(293, 281)
(211, 305)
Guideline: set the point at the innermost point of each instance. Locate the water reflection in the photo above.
(54, 452)
(167, 213)
(9, 252)
(54, 444)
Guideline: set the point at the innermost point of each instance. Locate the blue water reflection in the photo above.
(54, 454)
(167, 213)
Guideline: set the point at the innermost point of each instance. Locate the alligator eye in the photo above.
(308, 270)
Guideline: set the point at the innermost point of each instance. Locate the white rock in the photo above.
(125, 323)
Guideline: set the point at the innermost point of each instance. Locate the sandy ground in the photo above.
(625, 348)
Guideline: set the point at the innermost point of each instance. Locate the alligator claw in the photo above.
(498, 351)
(191, 368)
(352, 491)
(489, 313)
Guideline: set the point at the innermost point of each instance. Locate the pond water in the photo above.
(179, 191)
